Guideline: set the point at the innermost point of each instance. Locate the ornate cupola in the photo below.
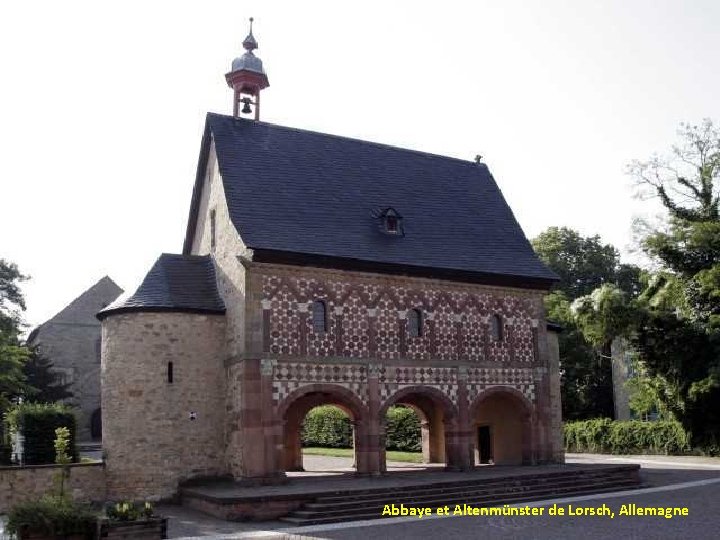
(247, 78)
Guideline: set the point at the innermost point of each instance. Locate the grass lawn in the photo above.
(390, 455)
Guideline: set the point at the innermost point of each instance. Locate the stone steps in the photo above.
(351, 506)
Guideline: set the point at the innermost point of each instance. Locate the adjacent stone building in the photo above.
(319, 269)
(71, 341)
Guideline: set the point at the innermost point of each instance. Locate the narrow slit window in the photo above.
(535, 344)
(212, 229)
(496, 328)
(170, 373)
(319, 317)
(415, 323)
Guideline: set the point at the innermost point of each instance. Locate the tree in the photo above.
(583, 264)
(46, 384)
(12, 353)
(586, 381)
(12, 302)
(677, 335)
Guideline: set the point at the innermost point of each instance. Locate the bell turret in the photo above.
(247, 78)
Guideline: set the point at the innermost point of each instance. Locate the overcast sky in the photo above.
(103, 104)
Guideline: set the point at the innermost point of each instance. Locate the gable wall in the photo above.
(230, 273)
(71, 341)
(230, 276)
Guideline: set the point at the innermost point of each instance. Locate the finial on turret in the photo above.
(250, 43)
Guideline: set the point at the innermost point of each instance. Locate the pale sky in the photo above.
(102, 106)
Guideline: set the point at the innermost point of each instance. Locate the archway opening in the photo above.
(415, 415)
(325, 425)
(502, 430)
(328, 440)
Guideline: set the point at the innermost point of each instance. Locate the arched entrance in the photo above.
(295, 407)
(438, 421)
(502, 427)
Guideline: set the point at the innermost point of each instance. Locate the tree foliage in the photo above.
(677, 326)
(12, 354)
(584, 264)
(45, 384)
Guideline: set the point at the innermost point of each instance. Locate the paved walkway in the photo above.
(656, 471)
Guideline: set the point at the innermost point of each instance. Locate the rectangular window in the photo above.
(535, 344)
(212, 229)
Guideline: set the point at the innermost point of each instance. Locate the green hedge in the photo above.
(626, 437)
(37, 422)
(403, 430)
(328, 426)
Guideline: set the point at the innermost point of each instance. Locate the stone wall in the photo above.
(156, 432)
(86, 483)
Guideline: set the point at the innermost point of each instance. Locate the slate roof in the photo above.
(184, 283)
(305, 197)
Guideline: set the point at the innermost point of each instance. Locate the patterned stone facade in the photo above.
(366, 320)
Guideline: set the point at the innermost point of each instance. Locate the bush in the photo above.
(52, 516)
(129, 511)
(403, 430)
(327, 426)
(626, 437)
(38, 422)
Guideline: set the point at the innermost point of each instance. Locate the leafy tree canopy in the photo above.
(12, 353)
(677, 325)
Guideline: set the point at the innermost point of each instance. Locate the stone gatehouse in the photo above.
(319, 269)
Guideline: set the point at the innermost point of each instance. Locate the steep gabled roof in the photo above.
(309, 198)
(180, 283)
(82, 309)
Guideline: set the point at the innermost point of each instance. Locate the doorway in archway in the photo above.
(502, 429)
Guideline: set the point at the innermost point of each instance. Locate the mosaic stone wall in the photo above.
(366, 318)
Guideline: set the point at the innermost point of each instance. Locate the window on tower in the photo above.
(212, 229)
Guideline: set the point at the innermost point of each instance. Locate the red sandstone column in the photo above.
(465, 435)
(373, 444)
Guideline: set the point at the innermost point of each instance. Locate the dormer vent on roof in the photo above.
(391, 222)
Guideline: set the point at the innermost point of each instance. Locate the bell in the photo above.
(246, 106)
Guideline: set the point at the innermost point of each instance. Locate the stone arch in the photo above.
(439, 424)
(503, 420)
(291, 412)
(429, 391)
